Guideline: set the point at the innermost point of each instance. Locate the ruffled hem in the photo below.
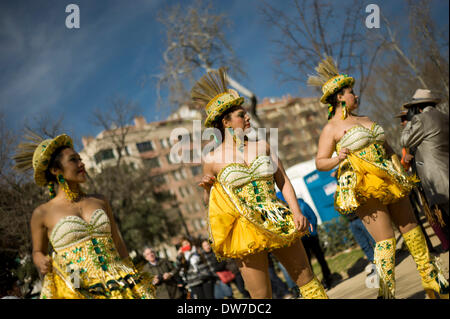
(233, 236)
(245, 239)
(370, 181)
(383, 189)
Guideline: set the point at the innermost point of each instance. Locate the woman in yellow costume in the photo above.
(90, 259)
(246, 220)
(371, 181)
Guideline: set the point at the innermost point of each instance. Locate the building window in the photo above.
(104, 155)
(144, 146)
(159, 179)
(152, 162)
(196, 170)
(177, 175)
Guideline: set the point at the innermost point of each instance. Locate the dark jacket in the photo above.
(213, 264)
(194, 268)
(165, 289)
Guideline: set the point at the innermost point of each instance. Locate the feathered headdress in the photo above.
(211, 91)
(24, 155)
(329, 79)
(35, 153)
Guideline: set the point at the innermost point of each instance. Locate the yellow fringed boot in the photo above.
(433, 280)
(384, 259)
(313, 290)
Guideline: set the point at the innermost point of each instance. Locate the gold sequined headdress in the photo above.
(211, 91)
(329, 79)
(35, 153)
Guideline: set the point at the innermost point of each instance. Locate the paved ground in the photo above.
(408, 284)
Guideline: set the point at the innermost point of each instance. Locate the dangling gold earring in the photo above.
(344, 110)
(71, 196)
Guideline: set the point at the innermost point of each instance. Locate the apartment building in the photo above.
(299, 122)
(149, 145)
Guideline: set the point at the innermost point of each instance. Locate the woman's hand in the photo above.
(42, 262)
(207, 182)
(343, 154)
(301, 223)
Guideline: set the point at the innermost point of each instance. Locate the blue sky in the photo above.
(47, 69)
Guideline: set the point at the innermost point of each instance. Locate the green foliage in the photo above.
(335, 236)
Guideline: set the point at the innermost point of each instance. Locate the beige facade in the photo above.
(148, 145)
(299, 122)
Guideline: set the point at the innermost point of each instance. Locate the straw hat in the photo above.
(36, 154)
(403, 112)
(329, 79)
(211, 90)
(422, 96)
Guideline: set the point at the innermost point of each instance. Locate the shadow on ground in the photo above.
(418, 295)
(400, 255)
(357, 267)
(361, 264)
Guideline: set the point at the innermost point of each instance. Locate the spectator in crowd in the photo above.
(221, 290)
(425, 135)
(427, 132)
(195, 271)
(417, 196)
(164, 274)
(9, 286)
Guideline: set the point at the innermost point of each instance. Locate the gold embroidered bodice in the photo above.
(71, 230)
(86, 263)
(88, 249)
(253, 187)
(237, 174)
(359, 137)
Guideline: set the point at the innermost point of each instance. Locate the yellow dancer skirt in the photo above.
(237, 230)
(367, 174)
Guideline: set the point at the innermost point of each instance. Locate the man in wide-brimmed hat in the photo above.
(427, 133)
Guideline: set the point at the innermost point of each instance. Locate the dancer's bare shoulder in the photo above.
(39, 213)
(329, 130)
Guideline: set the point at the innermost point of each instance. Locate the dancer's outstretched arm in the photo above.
(327, 145)
(40, 241)
(284, 184)
(207, 181)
